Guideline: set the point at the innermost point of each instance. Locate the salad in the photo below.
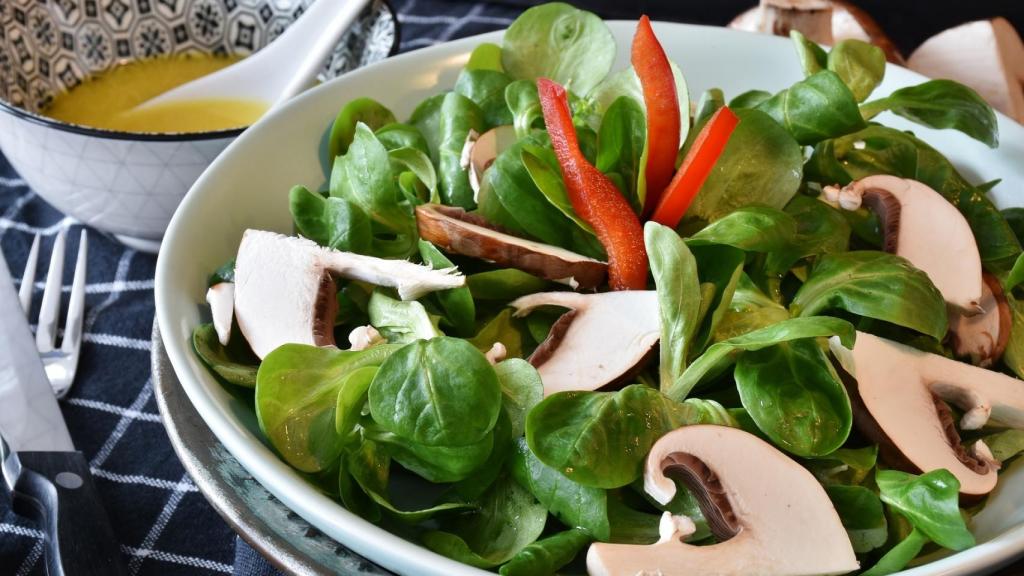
(555, 319)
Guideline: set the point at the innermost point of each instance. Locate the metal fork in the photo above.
(60, 363)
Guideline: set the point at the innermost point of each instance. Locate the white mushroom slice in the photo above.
(983, 337)
(926, 229)
(600, 340)
(773, 516)
(285, 292)
(221, 298)
(484, 150)
(455, 230)
(807, 16)
(986, 55)
(896, 397)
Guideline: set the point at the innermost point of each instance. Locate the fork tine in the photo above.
(28, 277)
(76, 307)
(46, 333)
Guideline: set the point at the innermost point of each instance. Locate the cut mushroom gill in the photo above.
(983, 337)
(602, 339)
(285, 290)
(457, 231)
(895, 405)
(923, 227)
(777, 517)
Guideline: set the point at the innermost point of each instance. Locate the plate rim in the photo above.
(364, 537)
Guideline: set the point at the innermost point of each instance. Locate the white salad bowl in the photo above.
(247, 187)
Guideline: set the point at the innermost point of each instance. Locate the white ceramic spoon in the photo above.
(282, 69)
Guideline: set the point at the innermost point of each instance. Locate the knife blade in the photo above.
(49, 481)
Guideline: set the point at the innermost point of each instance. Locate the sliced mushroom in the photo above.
(457, 231)
(839, 21)
(898, 393)
(986, 55)
(601, 340)
(923, 227)
(773, 517)
(983, 337)
(221, 298)
(484, 150)
(285, 291)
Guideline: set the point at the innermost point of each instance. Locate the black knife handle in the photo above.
(57, 490)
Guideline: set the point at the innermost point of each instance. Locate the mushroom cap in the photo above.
(603, 337)
(986, 55)
(457, 231)
(784, 522)
(920, 225)
(898, 386)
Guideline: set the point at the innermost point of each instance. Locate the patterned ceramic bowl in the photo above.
(125, 183)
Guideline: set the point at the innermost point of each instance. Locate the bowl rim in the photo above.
(108, 134)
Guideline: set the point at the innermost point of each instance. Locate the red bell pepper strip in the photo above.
(594, 197)
(696, 167)
(662, 102)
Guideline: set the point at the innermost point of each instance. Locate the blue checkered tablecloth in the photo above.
(164, 525)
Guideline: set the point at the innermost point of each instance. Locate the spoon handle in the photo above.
(324, 21)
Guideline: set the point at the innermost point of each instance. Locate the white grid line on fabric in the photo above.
(104, 339)
(185, 486)
(30, 561)
(158, 527)
(7, 224)
(15, 208)
(426, 20)
(124, 265)
(117, 341)
(122, 425)
(177, 559)
(12, 182)
(112, 409)
(16, 530)
(101, 287)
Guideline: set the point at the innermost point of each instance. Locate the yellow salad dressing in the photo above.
(107, 99)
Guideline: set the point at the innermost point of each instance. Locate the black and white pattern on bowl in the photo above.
(49, 46)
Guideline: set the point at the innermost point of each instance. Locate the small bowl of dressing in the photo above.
(71, 72)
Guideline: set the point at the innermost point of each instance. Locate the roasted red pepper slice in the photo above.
(696, 167)
(662, 102)
(594, 197)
